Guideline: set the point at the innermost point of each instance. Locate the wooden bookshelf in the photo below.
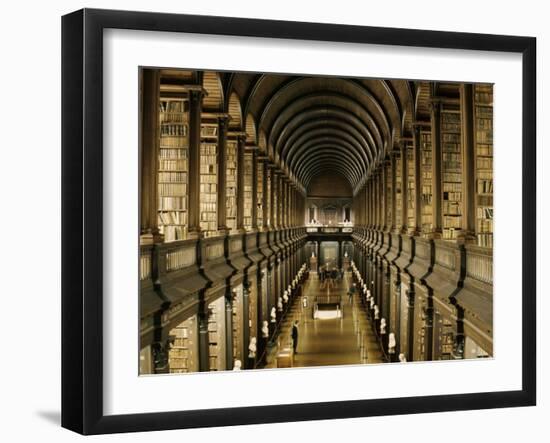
(410, 187)
(173, 168)
(451, 169)
(444, 337)
(483, 111)
(209, 179)
(268, 198)
(276, 199)
(216, 335)
(252, 312)
(231, 186)
(426, 180)
(259, 194)
(247, 210)
(389, 195)
(237, 324)
(397, 193)
(183, 353)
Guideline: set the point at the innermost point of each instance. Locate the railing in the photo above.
(445, 257)
(145, 262)
(479, 266)
(235, 245)
(328, 299)
(421, 249)
(330, 229)
(174, 256)
(179, 256)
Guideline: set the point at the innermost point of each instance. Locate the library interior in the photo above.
(303, 221)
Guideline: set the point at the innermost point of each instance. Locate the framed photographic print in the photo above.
(270, 221)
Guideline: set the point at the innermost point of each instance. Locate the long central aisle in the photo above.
(331, 341)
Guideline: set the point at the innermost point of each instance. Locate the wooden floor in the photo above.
(330, 342)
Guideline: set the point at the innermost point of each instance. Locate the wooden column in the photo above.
(240, 183)
(378, 198)
(280, 200)
(194, 177)
(437, 194)
(284, 201)
(468, 220)
(149, 145)
(393, 190)
(255, 189)
(404, 184)
(229, 329)
(375, 199)
(273, 210)
(367, 215)
(288, 204)
(204, 354)
(363, 205)
(222, 172)
(384, 196)
(291, 211)
(417, 182)
(370, 213)
(264, 195)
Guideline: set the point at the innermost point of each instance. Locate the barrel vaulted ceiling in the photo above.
(312, 126)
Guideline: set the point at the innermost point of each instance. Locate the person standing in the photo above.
(295, 336)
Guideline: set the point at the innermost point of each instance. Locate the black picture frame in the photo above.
(82, 218)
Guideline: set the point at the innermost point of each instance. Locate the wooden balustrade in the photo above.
(145, 262)
(445, 257)
(179, 255)
(479, 264)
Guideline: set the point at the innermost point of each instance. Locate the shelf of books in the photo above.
(259, 193)
(275, 196)
(184, 351)
(173, 168)
(268, 198)
(426, 181)
(231, 185)
(451, 171)
(443, 336)
(397, 193)
(410, 187)
(216, 335)
(247, 210)
(253, 309)
(483, 109)
(237, 323)
(389, 194)
(209, 179)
